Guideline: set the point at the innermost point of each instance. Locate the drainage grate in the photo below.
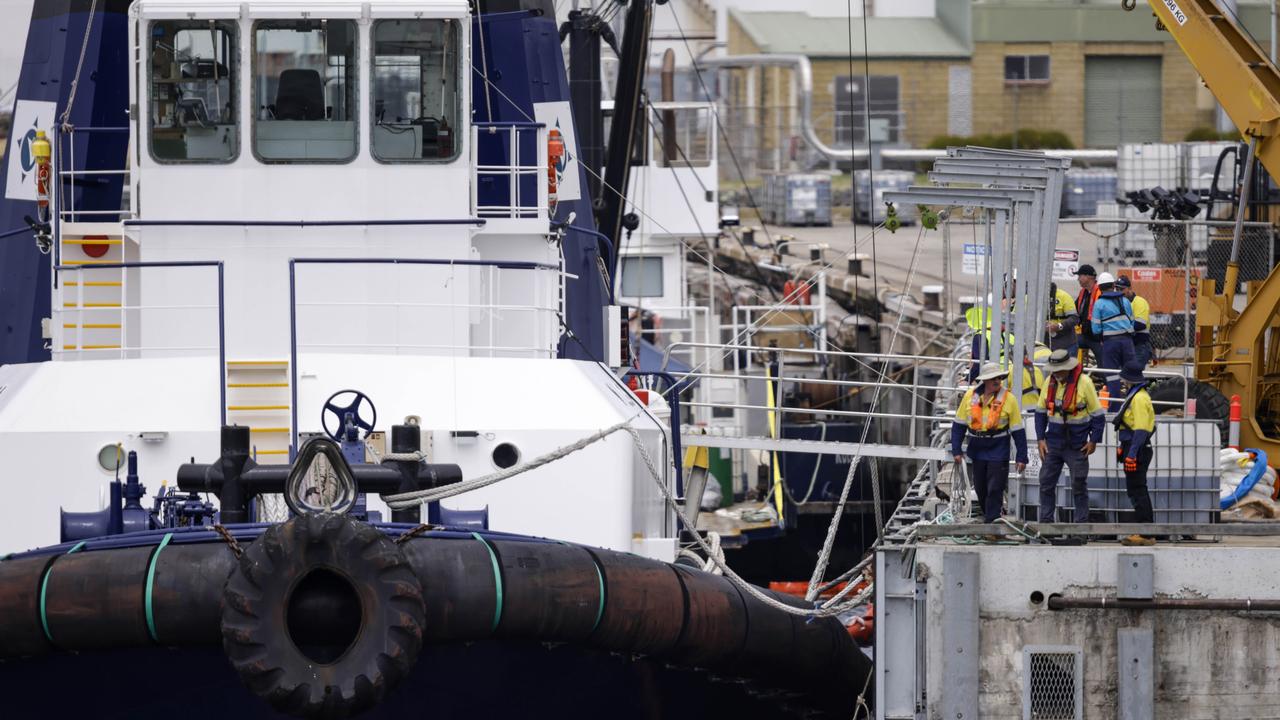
(1053, 680)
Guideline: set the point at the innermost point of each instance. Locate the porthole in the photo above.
(505, 455)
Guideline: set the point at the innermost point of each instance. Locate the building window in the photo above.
(852, 107)
(193, 114)
(1026, 69)
(305, 90)
(416, 97)
(642, 276)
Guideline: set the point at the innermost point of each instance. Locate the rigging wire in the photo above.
(825, 557)
(733, 155)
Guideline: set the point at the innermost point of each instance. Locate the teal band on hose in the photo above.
(497, 580)
(151, 580)
(600, 579)
(44, 587)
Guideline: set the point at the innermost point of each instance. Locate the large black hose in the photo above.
(472, 588)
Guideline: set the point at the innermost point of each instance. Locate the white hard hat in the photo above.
(1106, 278)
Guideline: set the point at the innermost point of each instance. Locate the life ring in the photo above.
(322, 616)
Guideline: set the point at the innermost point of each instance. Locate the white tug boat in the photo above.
(306, 268)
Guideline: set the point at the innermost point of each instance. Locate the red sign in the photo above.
(1147, 274)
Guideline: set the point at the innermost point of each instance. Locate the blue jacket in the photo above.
(1112, 315)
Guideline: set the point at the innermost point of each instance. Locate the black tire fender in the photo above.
(1211, 404)
(322, 616)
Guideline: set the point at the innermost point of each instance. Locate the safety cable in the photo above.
(75, 80)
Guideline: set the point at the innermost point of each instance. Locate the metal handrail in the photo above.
(514, 172)
(437, 262)
(729, 347)
(221, 308)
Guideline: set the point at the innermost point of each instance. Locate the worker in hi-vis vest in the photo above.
(1135, 423)
(1060, 327)
(1113, 322)
(989, 417)
(1089, 293)
(1141, 320)
(1069, 423)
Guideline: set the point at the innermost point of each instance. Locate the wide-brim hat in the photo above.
(1061, 360)
(991, 371)
(1132, 373)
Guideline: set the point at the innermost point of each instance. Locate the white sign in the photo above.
(1065, 263)
(558, 118)
(1176, 11)
(974, 259)
(28, 116)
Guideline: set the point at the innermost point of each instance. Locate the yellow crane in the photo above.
(1237, 352)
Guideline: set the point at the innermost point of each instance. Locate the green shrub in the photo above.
(1028, 139)
(1208, 134)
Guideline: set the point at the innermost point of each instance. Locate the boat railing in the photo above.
(444, 297)
(69, 177)
(100, 310)
(511, 176)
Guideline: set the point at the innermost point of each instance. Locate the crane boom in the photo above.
(1237, 71)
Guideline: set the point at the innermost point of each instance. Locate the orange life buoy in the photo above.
(863, 629)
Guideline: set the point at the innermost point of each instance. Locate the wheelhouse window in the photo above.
(682, 135)
(305, 90)
(416, 94)
(192, 72)
(642, 276)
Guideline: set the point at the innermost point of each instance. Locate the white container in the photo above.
(1146, 165)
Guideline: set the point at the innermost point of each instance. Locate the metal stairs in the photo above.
(258, 396)
(90, 313)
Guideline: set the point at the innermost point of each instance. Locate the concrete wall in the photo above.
(1207, 664)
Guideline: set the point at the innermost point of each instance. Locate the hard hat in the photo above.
(1106, 278)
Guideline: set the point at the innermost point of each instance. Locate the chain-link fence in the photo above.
(1165, 260)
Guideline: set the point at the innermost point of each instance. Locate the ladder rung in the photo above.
(247, 408)
(269, 430)
(242, 363)
(91, 347)
(92, 305)
(89, 262)
(94, 242)
(271, 452)
(257, 385)
(93, 326)
(98, 283)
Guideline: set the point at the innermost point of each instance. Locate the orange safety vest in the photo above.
(990, 420)
(1068, 396)
(1085, 310)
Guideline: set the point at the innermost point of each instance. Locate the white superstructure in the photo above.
(304, 218)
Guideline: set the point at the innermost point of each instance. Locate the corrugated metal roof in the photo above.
(1092, 21)
(803, 34)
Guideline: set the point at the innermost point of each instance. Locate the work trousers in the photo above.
(1142, 349)
(1117, 351)
(1091, 345)
(990, 478)
(1135, 484)
(1076, 461)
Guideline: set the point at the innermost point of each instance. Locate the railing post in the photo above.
(222, 348)
(513, 171)
(293, 354)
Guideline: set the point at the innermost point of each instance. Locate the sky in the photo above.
(14, 17)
